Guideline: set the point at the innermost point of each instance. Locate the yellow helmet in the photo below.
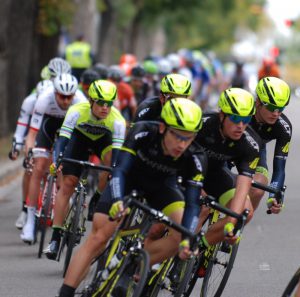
(176, 84)
(182, 114)
(103, 90)
(274, 91)
(237, 101)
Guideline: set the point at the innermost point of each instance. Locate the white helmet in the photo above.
(175, 60)
(43, 85)
(57, 66)
(65, 84)
(164, 66)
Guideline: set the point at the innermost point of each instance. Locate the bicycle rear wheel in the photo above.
(292, 286)
(42, 221)
(129, 278)
(71, 234)
(218, 270)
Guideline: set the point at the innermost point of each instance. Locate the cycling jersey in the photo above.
(46, 105)
(24, 118)
(281, 132)
(142, 165)
(80, 117)
(148, 110)
(243, 152)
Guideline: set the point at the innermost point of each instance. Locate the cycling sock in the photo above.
(56, 234)
(66, 291)
(24, 207)
(31, 215)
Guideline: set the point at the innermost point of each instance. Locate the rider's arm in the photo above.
(117, 138)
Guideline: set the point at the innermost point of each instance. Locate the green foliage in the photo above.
(52, 14)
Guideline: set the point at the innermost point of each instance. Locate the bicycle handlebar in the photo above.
(279, 193)
(85, 164)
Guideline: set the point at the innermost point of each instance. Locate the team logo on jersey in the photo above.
(254, 163)
(143, 111)
(198, 178)
(197, 163)
(285, 125)
(252, 141)
(286, 148)
(141, 135)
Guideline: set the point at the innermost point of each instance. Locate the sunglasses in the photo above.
(237, 119)
(272, 108)
(104, 103)
(65, 97)
(179, 137)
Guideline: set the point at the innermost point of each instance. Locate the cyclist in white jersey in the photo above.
(47, 118)
(18, 140)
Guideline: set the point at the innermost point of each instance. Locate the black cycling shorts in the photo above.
(162, 195)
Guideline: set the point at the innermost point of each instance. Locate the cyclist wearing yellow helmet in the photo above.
(94, 126)
(273, 95)
(226, 137)
(172, 85)
(149, 161)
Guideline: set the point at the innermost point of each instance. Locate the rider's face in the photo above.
(64, 101)
(231, 129)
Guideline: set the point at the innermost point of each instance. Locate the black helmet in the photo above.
(115, 73)
(88, 76)
(138, 71)
(101, 69)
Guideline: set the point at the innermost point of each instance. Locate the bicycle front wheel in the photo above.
(292, 286)
(129, 278)
(218, 270)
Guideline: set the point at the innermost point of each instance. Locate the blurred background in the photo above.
(236, 33)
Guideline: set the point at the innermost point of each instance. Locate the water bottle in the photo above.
(112, 264)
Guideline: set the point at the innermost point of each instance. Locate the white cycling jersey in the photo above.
(24, 119)
(47, 105)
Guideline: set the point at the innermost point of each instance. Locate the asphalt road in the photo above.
(267, 258)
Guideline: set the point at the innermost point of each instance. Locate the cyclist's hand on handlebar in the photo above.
(228, 233)
(185, 250)
(13, 154)
(274, 206)
(53, 169)
(117, 210)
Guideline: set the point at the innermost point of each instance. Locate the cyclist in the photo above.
(95, 126)
(58, 66)
(273, 95)
(19, 136)
(172, 85)
(149, 161)
(226, 137)
(87, 77)
(269, 67)
(47, 117)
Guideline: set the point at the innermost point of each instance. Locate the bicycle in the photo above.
(219, 259)
(125, 259)
(175, 276)
(291, 289)
(74, 224)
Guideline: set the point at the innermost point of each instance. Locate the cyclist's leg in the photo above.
(102, 231)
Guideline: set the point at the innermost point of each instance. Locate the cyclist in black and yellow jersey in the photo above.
(172, 86)
(149, 161)
(95, 125)
(273, 95)
(227, 137)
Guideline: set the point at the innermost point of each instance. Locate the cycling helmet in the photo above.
(115, 73)
(176, 84)
(237, 101)
(101, 69)
(128, 59)
(102, 90)
(164, 66)
(57, 66)
(150, 67)
(43, 85)
(88, 76)
(175, 60)
(274, 91)
(65, 84)
(45, 73)
(138, 71)
(182, 114)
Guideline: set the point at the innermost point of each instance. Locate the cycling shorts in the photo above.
(165, 196)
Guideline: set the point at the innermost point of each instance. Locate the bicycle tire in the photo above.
(292, 285)
(211, 287)
(134, 262)
(42, 220)
(71, 234)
